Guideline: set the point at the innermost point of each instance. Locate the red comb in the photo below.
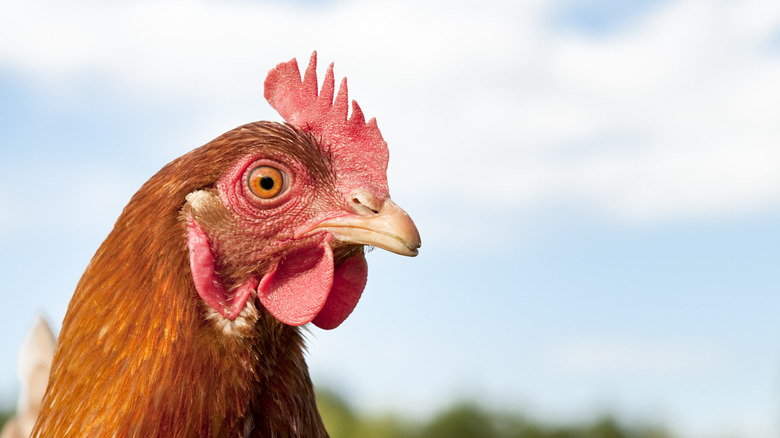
(359, 153)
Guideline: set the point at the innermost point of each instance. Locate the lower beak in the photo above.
(390, 229)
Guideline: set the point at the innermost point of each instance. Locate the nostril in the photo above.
(360, 206)
(365, 204)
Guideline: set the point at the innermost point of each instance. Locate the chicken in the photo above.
(34, 366)
(186, 321)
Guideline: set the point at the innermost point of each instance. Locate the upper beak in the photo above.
(390, 229)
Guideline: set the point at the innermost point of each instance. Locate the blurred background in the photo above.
(596, 182)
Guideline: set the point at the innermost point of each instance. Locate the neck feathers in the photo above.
(139, 356)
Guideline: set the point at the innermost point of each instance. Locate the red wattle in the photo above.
(297, 289)
(348, 283)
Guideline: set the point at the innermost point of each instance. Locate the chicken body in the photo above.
(34, 367)
(185, 321)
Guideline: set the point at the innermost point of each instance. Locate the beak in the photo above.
(390, 229)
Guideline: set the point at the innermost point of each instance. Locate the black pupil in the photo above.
(267, 183)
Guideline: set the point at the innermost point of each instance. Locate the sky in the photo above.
(596, 184)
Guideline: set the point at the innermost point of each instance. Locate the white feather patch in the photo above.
(242, 324)
(198, 199)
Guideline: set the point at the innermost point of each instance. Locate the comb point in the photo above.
(341, 105)
(309, 85)
(357, 117)
(328, 85)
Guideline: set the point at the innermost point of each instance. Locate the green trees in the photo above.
(465, 420)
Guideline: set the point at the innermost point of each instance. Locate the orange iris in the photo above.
(266, 181)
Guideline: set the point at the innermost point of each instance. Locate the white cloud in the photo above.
(3, 211)
(665, 121)
(65, 197)
(632, 357)
(671, 118)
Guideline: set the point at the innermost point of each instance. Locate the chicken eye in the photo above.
(266, 182)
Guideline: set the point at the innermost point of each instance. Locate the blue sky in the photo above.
(597, 186)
